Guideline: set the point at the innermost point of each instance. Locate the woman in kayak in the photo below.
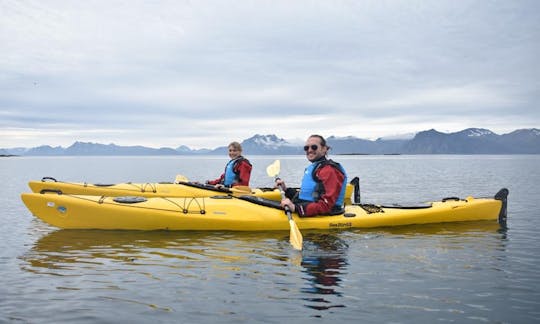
(237, 171)
(322, 191)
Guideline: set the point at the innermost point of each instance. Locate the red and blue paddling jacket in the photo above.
(237, 173)
(322, 191)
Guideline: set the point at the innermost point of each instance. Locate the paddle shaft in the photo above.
(287, 209)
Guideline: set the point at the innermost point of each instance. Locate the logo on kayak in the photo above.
(339, 225)
(61, 209)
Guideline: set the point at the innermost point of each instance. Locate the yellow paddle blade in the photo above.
(180, 178)
(295, 237)
(273, 169)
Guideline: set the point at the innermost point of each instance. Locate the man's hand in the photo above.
(288, 203)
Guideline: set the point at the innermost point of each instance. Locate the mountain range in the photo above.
(467, 141)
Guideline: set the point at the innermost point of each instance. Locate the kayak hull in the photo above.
(242, 213)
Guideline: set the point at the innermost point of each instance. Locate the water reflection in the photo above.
(458, 229)
(69, 249)
(324, 257)
(324, 261)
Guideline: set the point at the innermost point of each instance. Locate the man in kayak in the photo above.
(237, 171)
(322, 191)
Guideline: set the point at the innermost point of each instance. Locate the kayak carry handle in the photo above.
(450, 198)
(44, 179)
(51, 190)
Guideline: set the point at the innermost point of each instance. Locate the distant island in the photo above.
(467, 141)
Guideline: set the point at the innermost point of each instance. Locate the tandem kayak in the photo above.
(157, 189)
(161, 189)
(244, 213)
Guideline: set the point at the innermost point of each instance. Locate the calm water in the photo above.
(461, 273)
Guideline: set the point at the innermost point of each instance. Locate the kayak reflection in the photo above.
(69, 249)
(471, 228)
(324, 258)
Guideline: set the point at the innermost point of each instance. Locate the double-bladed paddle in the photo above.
(295, 236)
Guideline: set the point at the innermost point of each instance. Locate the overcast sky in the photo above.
(204, 73)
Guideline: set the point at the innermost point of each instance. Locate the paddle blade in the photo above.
(180, 178)
(295, 237)
(273, 169)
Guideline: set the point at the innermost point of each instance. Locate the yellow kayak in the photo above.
(158, 189)
(244, 213)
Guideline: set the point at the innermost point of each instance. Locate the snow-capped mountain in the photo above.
(468, 141)
(265, 144)
(474, 141)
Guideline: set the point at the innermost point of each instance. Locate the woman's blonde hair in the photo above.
(236, 146)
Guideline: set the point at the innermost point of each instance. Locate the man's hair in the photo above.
(323, 141)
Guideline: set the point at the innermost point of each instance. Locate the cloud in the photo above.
(463, 97)
(179, 72)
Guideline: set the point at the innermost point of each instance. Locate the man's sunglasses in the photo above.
(313, 147)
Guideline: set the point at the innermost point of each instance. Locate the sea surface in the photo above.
(471, 272)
